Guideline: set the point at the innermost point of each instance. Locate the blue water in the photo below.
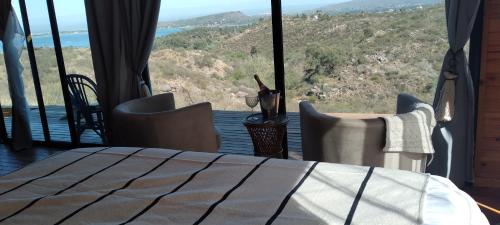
(80, 39)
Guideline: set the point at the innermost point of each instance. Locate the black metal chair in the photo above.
(87, 115)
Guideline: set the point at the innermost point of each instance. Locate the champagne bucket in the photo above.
(269, 104)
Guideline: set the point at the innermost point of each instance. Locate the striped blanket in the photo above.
(158, 186)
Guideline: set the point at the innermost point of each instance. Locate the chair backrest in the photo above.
(79, 86)
(333, 139)
(361, 142)
(154, 122)
(406, 103)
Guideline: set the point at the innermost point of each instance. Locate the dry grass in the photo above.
(374, 57)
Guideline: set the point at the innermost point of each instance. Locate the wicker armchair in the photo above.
(154, 122)
(88, 115)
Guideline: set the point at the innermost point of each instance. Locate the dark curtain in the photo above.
(12, 37)
(475, 51)
(139, 21)
(4, 15)
(121, 38)
(455, 102)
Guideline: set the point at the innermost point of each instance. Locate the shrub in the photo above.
(322, 61)
(205, 61)
(253, 51)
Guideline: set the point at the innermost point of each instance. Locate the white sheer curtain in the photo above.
(13, 42)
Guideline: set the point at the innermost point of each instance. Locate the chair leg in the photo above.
(78, 127)
(99, 127)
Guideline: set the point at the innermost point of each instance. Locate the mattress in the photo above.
(160, 186)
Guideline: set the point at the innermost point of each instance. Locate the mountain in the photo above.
(375, 5)
(235, 18)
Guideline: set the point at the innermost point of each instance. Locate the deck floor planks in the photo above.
(11, 160)
(234, 136)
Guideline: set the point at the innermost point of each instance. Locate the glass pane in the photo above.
(72, 21)
(357, 56)
(5, 100)
(48, 73)
(210, 50)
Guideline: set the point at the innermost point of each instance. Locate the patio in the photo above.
(235, 138)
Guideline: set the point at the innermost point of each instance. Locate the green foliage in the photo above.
(322, 61)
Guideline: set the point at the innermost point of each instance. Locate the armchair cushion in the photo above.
(154, 122)
(341, 140)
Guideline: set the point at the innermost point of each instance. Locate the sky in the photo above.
(71, 13)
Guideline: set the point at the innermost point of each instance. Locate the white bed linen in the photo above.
(160, 186)
(444, 203)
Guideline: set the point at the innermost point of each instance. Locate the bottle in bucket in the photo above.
(269, 100)
(264, 90)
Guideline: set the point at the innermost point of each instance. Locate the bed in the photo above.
(158, 186)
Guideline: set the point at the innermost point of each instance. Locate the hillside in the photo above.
(376, 6)
(342, 63)
(221, 19)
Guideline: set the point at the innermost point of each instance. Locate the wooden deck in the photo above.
(13, 160)
(235, 138)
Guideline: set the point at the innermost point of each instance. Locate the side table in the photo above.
(267, 134)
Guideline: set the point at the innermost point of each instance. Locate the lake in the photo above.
(80, 39)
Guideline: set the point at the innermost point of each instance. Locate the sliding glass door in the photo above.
(204, 51)
(44, 59)
(357, 56)
(75, 46)
(210, 50)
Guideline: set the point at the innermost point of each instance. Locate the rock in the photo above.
(241, 94)
(381, 58)
(317, 92)
(167, 88)
(379, 33)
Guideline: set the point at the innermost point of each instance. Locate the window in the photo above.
(72, 23)
(210, 50)
(74, 40)
(357, 56)
(5, 100)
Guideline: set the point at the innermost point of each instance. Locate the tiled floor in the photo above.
(11, 161)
